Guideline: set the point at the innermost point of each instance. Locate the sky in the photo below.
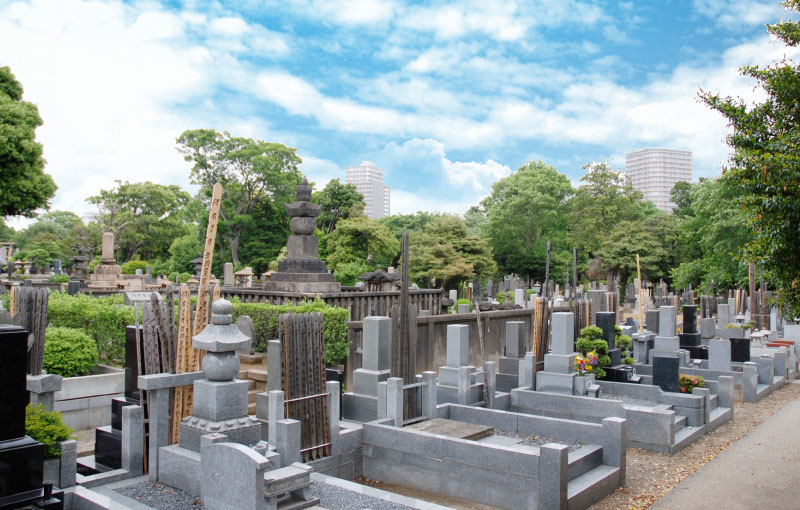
(445, 97)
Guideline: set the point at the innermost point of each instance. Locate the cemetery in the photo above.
(529, 403)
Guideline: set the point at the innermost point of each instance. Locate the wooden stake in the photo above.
(201, 313)
(183, 355)
(751, 269)
(641, 296)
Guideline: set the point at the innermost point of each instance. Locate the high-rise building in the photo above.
(368, 180)
(655, 172)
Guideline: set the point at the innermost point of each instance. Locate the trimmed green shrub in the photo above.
(265, 321)
(102, 318)
(184, 277)
(624, 344)
(591, 339)
(462, 302)
(47, 428)
(130, 267)
(59, 278)
(500, 297)
(68, 352)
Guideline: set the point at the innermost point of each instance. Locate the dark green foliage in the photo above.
(624, 344)
(339, 201)
(68, 352)
(102, 318)
(347, 274)
(265, 320)
(500, 296)
(462, 302)
(25, 185)
(59, 278)
(764, 170)
(46, 427)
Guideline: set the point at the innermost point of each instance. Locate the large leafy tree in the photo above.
(250, 171)
(339, 201)
(713, 235)
(525, 210)
(443, 252)
(56, 232)
(25, 187)
(627, 239)
(145, 217)
(360, 239)
(764, 169)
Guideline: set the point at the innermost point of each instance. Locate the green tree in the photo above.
(55, 232)
(399, 223)
(627, 239)
(359, 239)
(605, 199)
(144, 216)
(764, 170)
(183, 250)
(25, 185)
(477, 221)
(525, 210)
(681, 197)
(339, 201)
(444, 253)
(249, 170)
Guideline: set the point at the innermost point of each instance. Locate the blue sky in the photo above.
(445, 97)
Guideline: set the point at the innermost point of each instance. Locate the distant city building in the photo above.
(368, 180)
(655, 172)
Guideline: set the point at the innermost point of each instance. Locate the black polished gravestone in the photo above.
(21, 458)
(665, 373)
(607, 322)
(690, 337)
(740, 349)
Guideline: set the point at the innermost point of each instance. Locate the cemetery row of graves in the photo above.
(304, 394)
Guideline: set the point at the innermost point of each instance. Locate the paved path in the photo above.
(760, 471)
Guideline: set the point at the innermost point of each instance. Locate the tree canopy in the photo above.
(25, 185)
(339, 201)
(764, 169)
(250, 171)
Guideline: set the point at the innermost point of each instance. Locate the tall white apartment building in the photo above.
(654, 172)
(368, 180)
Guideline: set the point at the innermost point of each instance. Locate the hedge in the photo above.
(68, 352)
(265, 321)
(102, 318)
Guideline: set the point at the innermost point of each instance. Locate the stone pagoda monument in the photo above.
(107, 273)
(303, 271)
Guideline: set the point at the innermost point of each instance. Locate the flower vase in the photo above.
(581, 383)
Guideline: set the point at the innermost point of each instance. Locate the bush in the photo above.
(690, 382)
(591, 339)
(68, 352)
(102, 318)
(59, 278)
(624, 344)
(462, 302)
(131, 266)
(500, 297)
(184, 277)
(265, 321)
(47, 428)
(347, 274)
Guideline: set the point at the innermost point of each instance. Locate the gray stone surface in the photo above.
(287, 442)
(377, 343)
(232, 477)
(723, 317)
(158, 428)
(274, 376)
(180, 468)
(563, 333)
(276, 410)
(719, 355)
(244, 430)
(219, 336)
(766, 369)
(457, 345)
(220, 401)
(666, 321)
(133, 440)
(642, 343)
(615, 444)
(750, 381)
(651, 321)
(515, 339)
(68, 464)
(707, 328)
(394, 400)
(560, 363)
(227, 274)
(553, 476)
(463, 308)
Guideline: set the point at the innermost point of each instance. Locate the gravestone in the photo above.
(57, 266)
(606, 321)
(559, 375)
(642, 344)
(227, 274)
(508, 373)
(458, 380)
(598, 300)
(490, 290)
(667, 342)
(21, 457)
(651, 321)
(665, 373)
(690, 338)
(362, 403)
(707, 328)
(723, 315)
(719, 355)
(519, 298)
(740, 349)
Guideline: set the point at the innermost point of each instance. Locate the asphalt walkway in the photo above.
(760, 471)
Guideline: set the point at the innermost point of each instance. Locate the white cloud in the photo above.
(733, 13)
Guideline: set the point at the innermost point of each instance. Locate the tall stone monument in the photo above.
(303, 271)
(107, 272)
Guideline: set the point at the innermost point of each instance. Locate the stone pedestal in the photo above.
(458, 380)
(508, 373)
(361, 404)
(642, 344)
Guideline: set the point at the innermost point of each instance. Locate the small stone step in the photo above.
(584, 459)
(591, 487)
(685, 436)
(713, 401)
(680, 422)
(719, 416)
(257, 374)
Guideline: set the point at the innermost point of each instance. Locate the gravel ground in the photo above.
(537, 440)
(161, 497)
(336, 498)
(651, 475)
